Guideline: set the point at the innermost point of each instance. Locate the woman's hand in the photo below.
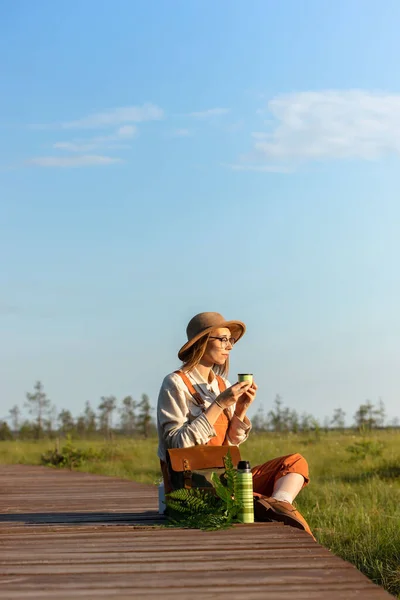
(245, 400)
(232, 394)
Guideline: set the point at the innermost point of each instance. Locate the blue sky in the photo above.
(158, 159)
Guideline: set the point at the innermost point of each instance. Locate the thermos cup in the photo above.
(245, 491)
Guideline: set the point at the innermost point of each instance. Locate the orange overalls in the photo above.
(264, 476)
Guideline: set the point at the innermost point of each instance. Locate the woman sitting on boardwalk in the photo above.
(197, 405)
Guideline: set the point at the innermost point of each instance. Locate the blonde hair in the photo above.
(195, 353)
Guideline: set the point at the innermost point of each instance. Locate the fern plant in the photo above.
(201, 509)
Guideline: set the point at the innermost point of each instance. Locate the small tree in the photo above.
(128, 417)
(66, 422)
(106, 407)
(306, 422)
(5, 431)
(316, 428)
(365, 417)
(371, 421)
(338, 419)
(38, 404)
(27, 430)
(50, 423)
(259, 421)
(15, 414)
(286, 419)
(81, 426)
(144, 416)
(380, 414)
(89, 420)
(275, 416)
(294, 421)
(326, 425)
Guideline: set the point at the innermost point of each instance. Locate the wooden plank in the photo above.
(160, 564)
(93, 555)
(131, 542)
(229, 594)
(66, 518)
(130, 581)
(65, 535)
(199, 577)
(234, 593)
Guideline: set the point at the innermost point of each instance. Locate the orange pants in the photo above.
(265, 476)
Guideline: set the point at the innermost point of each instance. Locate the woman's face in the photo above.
(217, 350)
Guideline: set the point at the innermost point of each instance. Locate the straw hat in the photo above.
(205, 322)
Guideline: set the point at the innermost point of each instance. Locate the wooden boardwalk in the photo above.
(66, 535)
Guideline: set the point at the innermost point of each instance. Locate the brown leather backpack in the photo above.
(192, 467)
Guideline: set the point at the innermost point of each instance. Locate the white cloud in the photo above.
(329, 125)
(126, 131)
(259, 135)
(42, 126)
(117, 116)
(75, 146)
(72, 161)
(211, 112)
(259, 168)
(123, 133)
(181, 133)
(234, 127)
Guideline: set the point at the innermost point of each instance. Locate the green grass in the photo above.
(352, 503)
(129, 459)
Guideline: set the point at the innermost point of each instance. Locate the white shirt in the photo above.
(181, 423)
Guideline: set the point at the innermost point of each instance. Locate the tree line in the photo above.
(129, 417)
(134, 418)
(284, 419)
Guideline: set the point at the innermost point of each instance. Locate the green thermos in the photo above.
(245, 491)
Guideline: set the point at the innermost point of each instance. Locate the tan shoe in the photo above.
(269, 509)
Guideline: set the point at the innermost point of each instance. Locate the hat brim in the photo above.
(237, 329)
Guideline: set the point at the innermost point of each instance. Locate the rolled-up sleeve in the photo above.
(238, 430)
(172, 415)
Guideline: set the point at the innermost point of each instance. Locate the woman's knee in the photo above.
(296, 463)
(299, 458)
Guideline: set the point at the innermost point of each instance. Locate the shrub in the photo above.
(360, 450)
(68, 457)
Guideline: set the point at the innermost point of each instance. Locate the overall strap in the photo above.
(196, 396)
(221, 383)
(222, 388)
(225, 417)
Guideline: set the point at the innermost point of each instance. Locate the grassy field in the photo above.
(352, 503)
